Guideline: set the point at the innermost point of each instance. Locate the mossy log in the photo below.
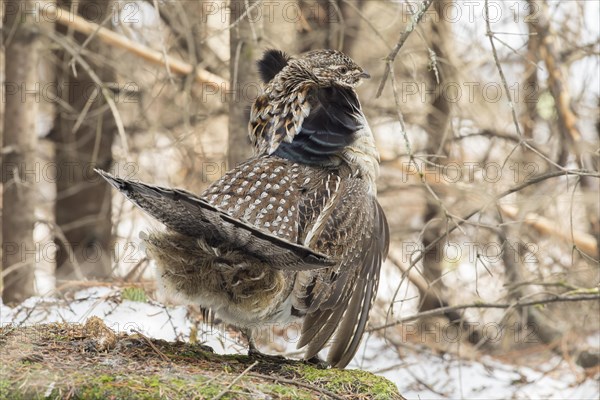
(73, 361)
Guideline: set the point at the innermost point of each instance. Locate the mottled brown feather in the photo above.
(295, 232)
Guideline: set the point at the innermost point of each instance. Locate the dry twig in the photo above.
(407, 31)
(300, 384)
(156, 349)
(584, 241)
(518, 304)
(558, 84)
(175, 65)
(233, 382)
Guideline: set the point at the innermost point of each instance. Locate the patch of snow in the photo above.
(423, 375)
(594, 340)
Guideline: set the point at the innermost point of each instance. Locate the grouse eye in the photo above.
(343, 70)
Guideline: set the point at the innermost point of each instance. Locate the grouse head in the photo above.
(309, 112)
(333, 68)
(324, 68)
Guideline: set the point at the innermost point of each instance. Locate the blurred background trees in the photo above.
(82, 137)
(487, 125)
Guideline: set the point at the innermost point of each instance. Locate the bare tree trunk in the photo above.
(19, 145)
(349, 24)
(438, 118)
(528, 120)
(315, 25)
(438, 128)
(568, 120)
(83, 204)
(279, 30)
(329, 24)
(244, 45)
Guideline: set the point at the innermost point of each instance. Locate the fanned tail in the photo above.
(190, 215)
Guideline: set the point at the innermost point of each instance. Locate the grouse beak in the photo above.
(365, 75)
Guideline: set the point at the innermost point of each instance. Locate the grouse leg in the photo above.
(253, 351)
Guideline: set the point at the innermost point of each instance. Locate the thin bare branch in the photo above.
(518, 304)
(234, 381)
(416, 18)
(490, 35)
(79, 24)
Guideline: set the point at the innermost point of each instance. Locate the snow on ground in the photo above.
(428, 376)
(419, 374)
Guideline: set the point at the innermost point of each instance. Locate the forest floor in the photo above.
(91, 361)
(62, 347)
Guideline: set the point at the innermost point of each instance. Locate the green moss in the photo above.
(106, 378)
(4, 385)
(139, 370)
(209, 391)
(286, 392)
(99, 392)
(178, 383)
(4, 389)
(134, 294)
(349, 381)
(152, 381)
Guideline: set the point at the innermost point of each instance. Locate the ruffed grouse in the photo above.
(295, 233)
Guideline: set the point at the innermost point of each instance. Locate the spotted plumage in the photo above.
(296, 232)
